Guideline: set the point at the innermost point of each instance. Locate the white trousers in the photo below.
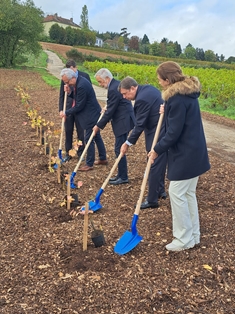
(185, 218)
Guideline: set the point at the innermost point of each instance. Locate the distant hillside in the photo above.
(133, 57)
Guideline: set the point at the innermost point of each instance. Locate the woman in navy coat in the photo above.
(185, 143)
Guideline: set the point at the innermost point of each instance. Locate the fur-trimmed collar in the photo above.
(189, 86)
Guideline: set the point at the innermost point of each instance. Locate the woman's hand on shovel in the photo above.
(152, 155)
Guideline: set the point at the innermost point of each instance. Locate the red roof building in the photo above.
(50, 20)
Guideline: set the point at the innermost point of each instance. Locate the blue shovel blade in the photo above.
(127, 242)
(93, 206)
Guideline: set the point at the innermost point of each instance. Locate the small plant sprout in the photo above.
(23, 95)
(77, 144)
(79, 184)
(50, 159)
(72, 152)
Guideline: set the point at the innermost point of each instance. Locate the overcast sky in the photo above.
(206, 24)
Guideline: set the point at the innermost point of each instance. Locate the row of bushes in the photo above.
(149, 59)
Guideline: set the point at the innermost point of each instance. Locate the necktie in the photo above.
(74, 96)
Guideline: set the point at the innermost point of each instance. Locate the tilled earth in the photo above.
(43, 267)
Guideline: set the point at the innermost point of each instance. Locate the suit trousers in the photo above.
(69, 128)
(90, 158)
(156, 180)
(185, 217)
(122, 166)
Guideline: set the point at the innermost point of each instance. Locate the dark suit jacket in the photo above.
(147, 104)
(119, 110)
(69, 99)
(86, 105)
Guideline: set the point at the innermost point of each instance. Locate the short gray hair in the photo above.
(68, 72)
(103, 73)
(127, 83)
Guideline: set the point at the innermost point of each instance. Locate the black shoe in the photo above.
(119, 181)
(162, 196)
(67, 158)
(113, 178)
(146, 204)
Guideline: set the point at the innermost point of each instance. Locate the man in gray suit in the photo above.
(121, 114)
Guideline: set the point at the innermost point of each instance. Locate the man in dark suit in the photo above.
(71, 119)
(87, 109)
(121, 114)
(147, 104)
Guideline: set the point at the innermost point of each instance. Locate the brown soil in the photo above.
(44, 269)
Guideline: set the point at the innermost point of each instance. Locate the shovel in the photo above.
(62, 132)
(130, 240)
(95, 204)
(72, 184)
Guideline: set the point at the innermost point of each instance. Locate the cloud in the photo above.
(206, 24)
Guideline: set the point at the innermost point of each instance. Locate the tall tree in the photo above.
(57, 33)
(177, 49)
(190, 52)
(230, 60)
(125, 35)
(134, 43)
(210, 56)
(200, 54)
(155, 49)
(20, 30)
(84, 18)
(145, 40)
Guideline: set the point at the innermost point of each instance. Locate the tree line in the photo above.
(21, 29)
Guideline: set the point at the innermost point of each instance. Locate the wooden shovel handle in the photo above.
(111, 171)
(147, 169)
(85, 228)
(86, 147)
(63, 120)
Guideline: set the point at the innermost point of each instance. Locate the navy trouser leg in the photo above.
(156, 180)
(69, 126)
(122, 166)
(80, 134)
(100, 146)
(90, 157)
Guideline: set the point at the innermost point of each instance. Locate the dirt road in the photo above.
(220, 138)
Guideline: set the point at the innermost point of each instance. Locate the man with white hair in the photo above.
(86, 106)
(121, 114)
(71, 120)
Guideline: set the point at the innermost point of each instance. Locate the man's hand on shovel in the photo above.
(63, 115)
(124, 148)
(96, 129)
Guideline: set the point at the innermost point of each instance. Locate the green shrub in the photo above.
(75, 55)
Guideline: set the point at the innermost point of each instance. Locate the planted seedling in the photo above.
(97, 235)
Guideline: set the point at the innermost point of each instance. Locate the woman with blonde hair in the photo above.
(185, 144)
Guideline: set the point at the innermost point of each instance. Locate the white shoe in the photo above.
(175, 248)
